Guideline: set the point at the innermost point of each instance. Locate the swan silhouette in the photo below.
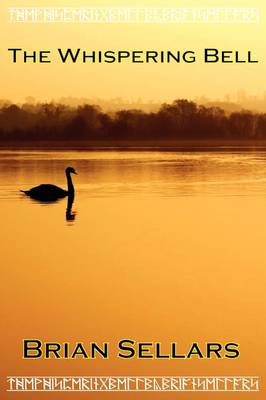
(47, 192)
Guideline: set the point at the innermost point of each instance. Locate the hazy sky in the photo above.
(132, 81)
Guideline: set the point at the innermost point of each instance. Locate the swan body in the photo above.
(47, 192)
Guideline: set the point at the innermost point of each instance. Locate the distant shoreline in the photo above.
(202, 145)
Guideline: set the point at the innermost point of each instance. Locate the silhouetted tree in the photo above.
(181, 120)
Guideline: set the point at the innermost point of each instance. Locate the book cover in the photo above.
(133, 199)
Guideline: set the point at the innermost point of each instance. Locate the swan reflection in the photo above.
(70, 215)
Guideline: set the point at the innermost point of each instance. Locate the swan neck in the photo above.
(70, 186)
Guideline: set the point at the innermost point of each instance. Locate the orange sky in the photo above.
(131, 81)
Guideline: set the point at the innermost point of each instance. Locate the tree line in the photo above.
(181, 120)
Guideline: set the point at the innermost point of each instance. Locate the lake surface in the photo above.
(159, 246)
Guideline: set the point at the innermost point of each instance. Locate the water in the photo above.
(138, 174)
(160, 246)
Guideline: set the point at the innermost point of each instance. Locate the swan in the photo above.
(47, 192)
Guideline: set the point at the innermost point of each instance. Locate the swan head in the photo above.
(70, 170)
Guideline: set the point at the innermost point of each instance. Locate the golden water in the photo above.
(161, 246)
